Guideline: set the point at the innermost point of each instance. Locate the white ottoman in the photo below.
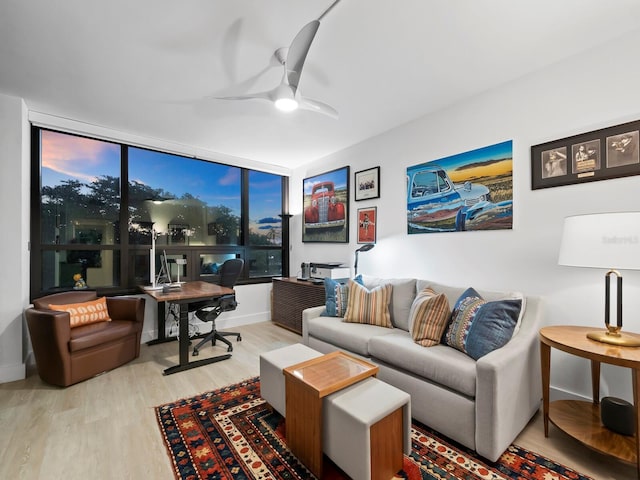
(367, 428)
(272, 387)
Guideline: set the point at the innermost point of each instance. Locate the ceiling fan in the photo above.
(286, 96)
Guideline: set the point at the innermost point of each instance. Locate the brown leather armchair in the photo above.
(66, 355)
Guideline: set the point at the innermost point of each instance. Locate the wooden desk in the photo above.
(306, 384)
(190, 292)
(581, 420)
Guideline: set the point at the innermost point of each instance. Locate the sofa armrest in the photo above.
(308, 314)
(126, 308)
(50, 332)
(508, 386)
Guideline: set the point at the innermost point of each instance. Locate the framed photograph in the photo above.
(326, 207)
(611, 152)
(367, 184)
(367, 218)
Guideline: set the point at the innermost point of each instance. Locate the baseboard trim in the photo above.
(559, 394)
(11, 373)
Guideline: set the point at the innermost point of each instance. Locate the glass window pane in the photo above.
(265, 204)
(80, 190)
(98, 268)
(187, 201)
(265, 263)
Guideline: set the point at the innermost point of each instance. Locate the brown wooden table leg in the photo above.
(636, 396)
(595, 381)
(545, 366)
(303, 424)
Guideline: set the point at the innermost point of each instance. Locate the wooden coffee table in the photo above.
(306, 384)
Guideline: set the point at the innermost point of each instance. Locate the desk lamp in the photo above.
(152, 263)
(610, 241)
(365, 248)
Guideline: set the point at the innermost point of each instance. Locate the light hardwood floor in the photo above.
(105, 427)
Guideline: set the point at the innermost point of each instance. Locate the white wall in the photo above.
(593, 91)
(14, 199)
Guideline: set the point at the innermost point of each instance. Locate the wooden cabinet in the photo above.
(290, 297)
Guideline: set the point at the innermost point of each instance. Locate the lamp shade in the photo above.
(601, 240)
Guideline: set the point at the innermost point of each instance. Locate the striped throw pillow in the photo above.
(85, 313)
(369, 306)
(429, 317)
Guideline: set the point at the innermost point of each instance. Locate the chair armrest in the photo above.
(308, 314)
(126, 308)
(508, 386)
(50, 332)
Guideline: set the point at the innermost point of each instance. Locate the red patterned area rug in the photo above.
(232, 433)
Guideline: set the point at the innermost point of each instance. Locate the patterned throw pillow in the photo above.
(478, 327)
(369, 306)
(336, 297)
(429, 317)
(85, 313)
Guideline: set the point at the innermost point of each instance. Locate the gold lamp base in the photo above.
(614, 337)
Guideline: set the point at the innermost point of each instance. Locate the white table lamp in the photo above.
(610, 241)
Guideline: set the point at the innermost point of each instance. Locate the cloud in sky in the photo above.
(76, 157)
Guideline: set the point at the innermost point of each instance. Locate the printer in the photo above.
(333, 270)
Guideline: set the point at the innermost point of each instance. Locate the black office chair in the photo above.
(210, 310)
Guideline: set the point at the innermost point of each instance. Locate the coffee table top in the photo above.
(331, 372)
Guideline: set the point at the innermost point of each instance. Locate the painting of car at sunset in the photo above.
(467, 191)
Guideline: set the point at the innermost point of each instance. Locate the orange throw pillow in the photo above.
(85, 313)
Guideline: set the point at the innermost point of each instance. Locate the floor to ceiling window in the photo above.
(96, 205)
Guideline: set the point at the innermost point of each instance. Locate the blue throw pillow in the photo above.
(336, 297)
(478, 327)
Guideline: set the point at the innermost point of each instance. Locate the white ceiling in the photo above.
(145, 67)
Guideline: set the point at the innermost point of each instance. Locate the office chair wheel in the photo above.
(239, 338)
(229, 349)
(195, 352)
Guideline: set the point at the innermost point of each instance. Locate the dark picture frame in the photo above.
(325, 200)
(366, 184)
(367, 224)
(611, 152)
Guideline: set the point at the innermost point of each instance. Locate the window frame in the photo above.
(127, 250)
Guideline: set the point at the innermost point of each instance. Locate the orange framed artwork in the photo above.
(367, 218)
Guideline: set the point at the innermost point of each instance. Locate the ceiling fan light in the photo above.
(285, 99)
(286, 104)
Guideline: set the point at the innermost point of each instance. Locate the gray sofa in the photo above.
(481, 404)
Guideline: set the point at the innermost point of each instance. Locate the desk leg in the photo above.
(162, 336)
(545, 364)
(185, 364)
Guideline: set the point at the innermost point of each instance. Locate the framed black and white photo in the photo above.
(611, 152)
(367, 184)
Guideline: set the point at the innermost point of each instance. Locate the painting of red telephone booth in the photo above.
(367, 218)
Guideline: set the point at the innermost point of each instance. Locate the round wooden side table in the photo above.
(580, 419)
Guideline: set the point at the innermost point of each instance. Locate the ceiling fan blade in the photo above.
(317, 106)
(249, 96)
(298, 52)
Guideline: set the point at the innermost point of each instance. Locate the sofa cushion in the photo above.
(91, 335)
(353, 337)
(478, 327)
(85, 313)
(404, 292)
(429, 317)
(369, 306)
(336, 297)
(439, 364)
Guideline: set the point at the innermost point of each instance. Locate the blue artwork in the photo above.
(467, 191)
